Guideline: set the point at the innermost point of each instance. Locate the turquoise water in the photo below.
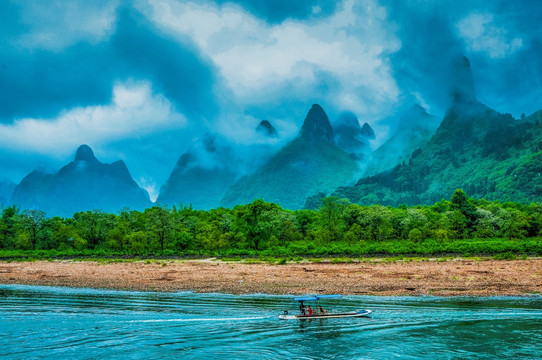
(47, 322)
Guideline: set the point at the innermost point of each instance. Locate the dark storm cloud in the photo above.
(276, 11)
(176, 70)
(512, 83)
(507, 80)
(423, 64)
(41, 82)
(10, 24)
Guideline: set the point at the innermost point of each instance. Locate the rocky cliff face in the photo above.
(316, 126)
(83, 184)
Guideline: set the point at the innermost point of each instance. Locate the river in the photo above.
(49, 322)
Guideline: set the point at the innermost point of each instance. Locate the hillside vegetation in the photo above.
(490, 155)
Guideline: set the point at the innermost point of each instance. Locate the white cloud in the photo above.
(481, 34)
(134, 111)
(259, 60)
(53, 25)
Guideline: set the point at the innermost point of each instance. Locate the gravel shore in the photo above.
(432, 277)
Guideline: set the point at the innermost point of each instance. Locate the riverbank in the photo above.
(430, 277)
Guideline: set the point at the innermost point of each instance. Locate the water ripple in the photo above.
(48, 322)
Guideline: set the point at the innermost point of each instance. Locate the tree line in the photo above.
(337, 226)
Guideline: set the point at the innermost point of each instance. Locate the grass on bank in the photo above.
(339, 252)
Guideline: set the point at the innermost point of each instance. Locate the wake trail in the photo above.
(195, 320)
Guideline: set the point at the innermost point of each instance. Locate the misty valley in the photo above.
(469, 185)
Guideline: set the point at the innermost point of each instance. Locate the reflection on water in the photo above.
(45, 322)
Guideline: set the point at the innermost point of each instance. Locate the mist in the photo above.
(148, 81)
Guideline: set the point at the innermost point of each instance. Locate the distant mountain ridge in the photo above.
(83, 184)
(474, 147)
(197, 182)
(308, 164)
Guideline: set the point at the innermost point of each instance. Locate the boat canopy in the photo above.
(316, 297)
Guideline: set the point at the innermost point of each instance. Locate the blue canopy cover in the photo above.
(316, 297)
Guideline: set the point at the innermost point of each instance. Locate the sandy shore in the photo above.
(453, 277)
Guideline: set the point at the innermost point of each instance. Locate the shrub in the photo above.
(505, 256)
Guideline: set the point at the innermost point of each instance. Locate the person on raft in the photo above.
(309, 311)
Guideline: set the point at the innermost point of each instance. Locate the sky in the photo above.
(146, 80)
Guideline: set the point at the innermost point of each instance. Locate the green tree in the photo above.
(208, 236)
(353, 214)
(65, 234)
(137, 242)
(8, 226)
(513, 223)
(535, 223)
(3, 230)
(331, 215)
(456, 224)
(249, 218)
(288, 232)
(462, 203)
(49, 237)
(304, 220)
(93, 226)
(160, 224)
(486, 224)
(376, 223)
(32, 221)
(354, 234)
(415, 235)
(415, 220)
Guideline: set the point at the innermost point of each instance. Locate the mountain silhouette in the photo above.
(83, 184)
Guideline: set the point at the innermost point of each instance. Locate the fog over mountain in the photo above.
(201, 176)
(489, 154)
(6, 189)
(147, 81)
(351, 137)
(310, 163)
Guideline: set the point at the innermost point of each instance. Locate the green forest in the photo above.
(461, 225)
